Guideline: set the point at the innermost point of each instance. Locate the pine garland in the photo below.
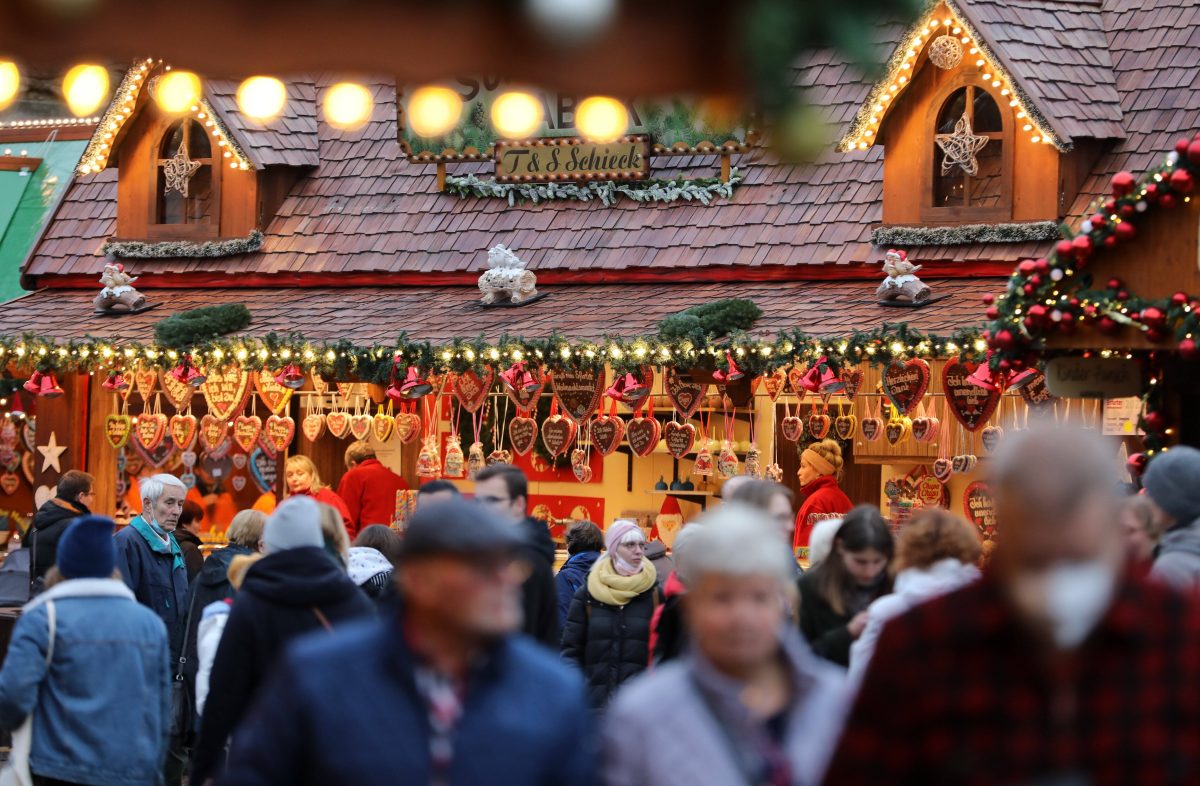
(965, 234)
(711, 320)
(201, 324)
(702, 190)
(172, 249)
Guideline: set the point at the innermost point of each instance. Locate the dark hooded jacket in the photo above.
(49, 524)
(193, 554)
(1177, 560)
(211, 585)
(538, 593)
(570, 577)
(610, 644)
(284, 596)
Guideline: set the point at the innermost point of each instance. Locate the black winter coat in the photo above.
(611, 644)
(193, 557)
(210, 585)
(823, 627)
(278, 603)
(539, 596)
(49, 524)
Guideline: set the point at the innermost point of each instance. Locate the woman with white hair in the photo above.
(749, 703)
(608, 626)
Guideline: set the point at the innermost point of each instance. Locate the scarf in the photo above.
(160, 542)
(607, 586)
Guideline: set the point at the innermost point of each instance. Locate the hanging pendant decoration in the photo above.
(960, 148)
(456, 463)
(178, 171)
(607, 431)
(643, 433)
(946, 52)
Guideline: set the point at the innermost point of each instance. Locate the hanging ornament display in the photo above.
(475, 459)
(946, 52)
(246, 430)
(960, 148)
(607, 431)
(429, 463)
(178, 171)
(280, 431)
(117, 430)
(643, 433)
(456, 464)
(383, 423)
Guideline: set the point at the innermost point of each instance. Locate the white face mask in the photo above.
(1077, 596)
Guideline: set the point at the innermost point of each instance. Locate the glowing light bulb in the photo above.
(516, 115)
(177, 91)
(348, 105)
(433, 111)
(601, 119)
(10, 82)
(262, 97)
(85, 88)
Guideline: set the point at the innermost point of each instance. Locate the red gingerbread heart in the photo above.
(643, 435)
(680, 438)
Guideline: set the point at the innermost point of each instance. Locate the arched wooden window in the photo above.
(971, 162)
(185, 188)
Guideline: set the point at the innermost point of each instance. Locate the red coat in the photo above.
(370, 493)
(824, 497)
(328, 497)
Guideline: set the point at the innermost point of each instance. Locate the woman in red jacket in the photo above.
(820, 470)
(300, 474)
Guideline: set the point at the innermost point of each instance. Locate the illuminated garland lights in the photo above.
(900, 66)
(344, 360)
(121, 109)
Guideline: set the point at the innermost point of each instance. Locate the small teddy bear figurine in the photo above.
(118, 295)
(901, 284)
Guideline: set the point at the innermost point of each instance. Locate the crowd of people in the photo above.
(455, 654)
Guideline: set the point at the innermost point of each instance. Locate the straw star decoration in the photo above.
(178, 172)
(959, 148)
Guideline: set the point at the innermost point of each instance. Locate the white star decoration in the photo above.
(960, 148)
(51, 452)
(178, 172)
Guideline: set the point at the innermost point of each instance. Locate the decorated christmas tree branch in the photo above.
(702, 190)
(907, 237)
(182, 249)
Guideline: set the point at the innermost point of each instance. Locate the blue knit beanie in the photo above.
(86, 550)
(1173, 482)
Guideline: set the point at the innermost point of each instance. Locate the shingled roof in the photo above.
(363, 208)
(288, 140)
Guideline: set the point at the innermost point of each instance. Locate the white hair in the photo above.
(736, 540)
(820, 540)
(634, 535)
(152, 488)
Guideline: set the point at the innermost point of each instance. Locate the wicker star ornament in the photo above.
(178, 172)
(960, 148)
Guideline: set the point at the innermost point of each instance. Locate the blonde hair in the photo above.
(305, 463)
(831, 451)
(333, 529)
(246, 529)
(932, 535)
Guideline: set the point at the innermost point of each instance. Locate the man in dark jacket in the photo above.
(584, 542)
(368, 489)
(504, 490)
(295, 589)
(439, 693)
(72, 499)
(187, 535)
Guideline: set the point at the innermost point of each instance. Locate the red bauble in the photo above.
(989, 299)
(1035, 280)
(1157, 335)
(1110, 241)
(1182, 181)
(1083, 246)
(1188, 350)
(1030, 324)
(1168, 201)
(1005, 365)
(1122, 295)
(1107, 325)
(1110, 205)
(992, 312)
(1155, 421)
(1074, 301)
(1136, 464)
(1041, 266)
(1123, 183)
(1151, 192)
(1115, 283)
(1037, 311)
(1179, 298)
(1098, 220)
(1193, 151)
(1125, 231)
(1153, 317)
(1181, 146)
(1127, 211)
(1064, 249)
(1003, 340)
(1026, 267)
(1028, 289)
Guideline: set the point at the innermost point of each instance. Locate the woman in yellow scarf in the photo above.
(608, 627)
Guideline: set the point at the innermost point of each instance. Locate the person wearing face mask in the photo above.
(834, 595)
(1059, 666)
(820, 470)
(748, 703)
(608, 627)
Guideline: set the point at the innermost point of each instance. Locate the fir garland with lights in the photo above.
(180, 249)
(907, 237)
(702, 190)
(201, 324)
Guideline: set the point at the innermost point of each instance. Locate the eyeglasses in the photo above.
(486, 500)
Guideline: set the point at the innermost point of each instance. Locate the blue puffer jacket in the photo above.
(156, 582)
(102, 708)
(571, 576)
(319, 722)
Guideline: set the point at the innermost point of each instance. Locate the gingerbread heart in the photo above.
(852, 378)
(795, 376)
(943, 469)
(680, 438)
(144, 380)
(557, 434)
(905, 383)
(183, 430)
(240, 460)
(578, 391)
(246, 429)
(685, 395)
(774, 383)
(970, 404)
(607, 433)
(894, 431)
(845, 426)
(188, 458)
(991, 437)
(472, 390)
(407, 426)
(499, 457)
(522, 433)
(274, 395)
(313, 426)
(9, 483)
(338, 424)
(360, 426)
(226, 390)
(177, 392)
(117, 430)
(818, 426)
(871, 428)
(935, 428)
(643, 435)
(382, 425)
(920, 429)
(149, 430)
(280, 431)
(792, 428)
(1036, 393)
(238, 482)
(959, 464)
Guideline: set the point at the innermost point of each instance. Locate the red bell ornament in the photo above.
(1193, 151)
(1188, 350)
(188, 374)
(629, 389)
(1124, 231)
(731, 374)
(517, 378)
(115, 382)
(415, 385)
(33, 385)
(1064, 249)
(1136, 464)
(291, 377)
(1083, 246)
(49, 386)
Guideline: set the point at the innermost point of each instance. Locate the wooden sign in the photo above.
(970, 404)
(578, 391)
(226, 390)
(1093, 377)
(977, 502)
(542, 160)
